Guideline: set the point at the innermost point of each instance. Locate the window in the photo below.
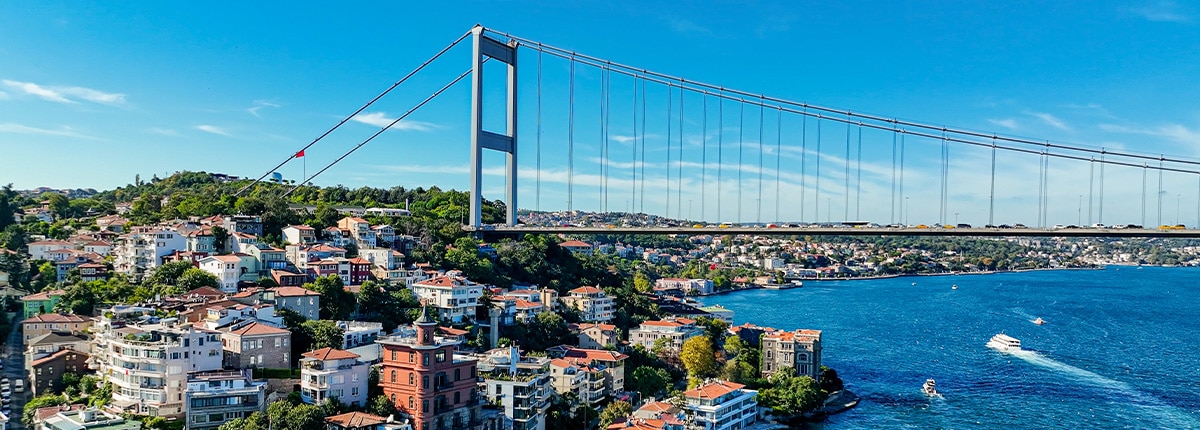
(394, 376)
(441, 356)
(412, 378)
(424, 406)
(457, 374)
(425, 359)
(412, 357)
(456, 397)
(411, 404)
(354, 391)
(424, 381)
(278, 342)
(395, 354)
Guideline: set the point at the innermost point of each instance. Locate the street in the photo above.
(14, 368)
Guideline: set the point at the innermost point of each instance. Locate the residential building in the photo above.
(360, 230)
(363, 421)
(40, 303)
(352, 271)
(98, 247)
(301, 255)
(45, 374)
(148, 359)
(699, 287)
(238, 242)
(213, 398)
(454, 296)
(329, 373)
(89, 272)
(610, 363)
(597, 336)
(245, 224)
(307, 303)
(798, 350)
(38, 325)
(359, 333)
(577, 247)
(675, 330)
(250, 344)
(426, 380)
(391, 212)
(719, 312)
(520, 385)
(227, 269)
(721, 405)
(299, 234)
(50, 343)
(287, 278)
(40, 250)
(268, 258)
(143, 250)
(78, 417)
(586, 382)
(592, 303)
(201, 240)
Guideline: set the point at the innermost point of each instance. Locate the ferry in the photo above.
(1004, 343)
(930, 387)
(1039, 321)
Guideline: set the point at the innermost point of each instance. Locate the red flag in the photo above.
(300, 154)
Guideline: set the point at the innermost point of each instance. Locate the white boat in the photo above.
(1004, 343)
(930, 387)
(1039, 321)
(954, 287)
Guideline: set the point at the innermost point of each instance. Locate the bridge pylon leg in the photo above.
(485, 47)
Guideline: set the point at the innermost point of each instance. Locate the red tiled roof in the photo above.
(49, 411)
(586, 290)
(526, 304)
(44, 295)
(605, 327)
(450, 331)
(793, 335)
(594, 354)
(355, 420)
(441, 281)
(226, 258)
(204, 292)
(324, 354)
(575, 244)
(713, 390)
(257, 329)
(50, 242)
(293, 291)
(57, 318)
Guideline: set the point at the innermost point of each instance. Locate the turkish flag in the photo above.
(300, 154)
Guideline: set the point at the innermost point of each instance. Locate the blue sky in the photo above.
(91, 95)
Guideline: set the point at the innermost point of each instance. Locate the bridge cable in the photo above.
(538, 188)
(992, 190)
(779, 160)
(720, 152)
(1160, 192)
(892, 220)
(760, 163)
(1091, 188)
(741, 157)
(679, 170)
(945, 177)
(699, 86)
(643, 165)
(633, 156)
(1144, 170)
(604, 140)
(817, 188)
(381, 130)
(703, 156)
(667, 200)
(858, 178)
(904, 199)
(803, 162)
(292, 156)
(1100, 209)
(846, 161)
(571, 140)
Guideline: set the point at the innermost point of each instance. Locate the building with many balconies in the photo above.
(676, 331)
(329, 373)
(721, 405)
(148, 359)
(454, 296)
(213, 398)
(520, 385)
(592, 303)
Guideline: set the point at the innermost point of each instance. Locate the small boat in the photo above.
(1004, 343)
(930, 387)
(1039, 321)
(914, 283)
(954, 287)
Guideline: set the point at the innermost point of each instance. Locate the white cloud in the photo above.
(24, 129)
(258, 105)
(1163, 11)
(66, 94)
(380, 119)
(213, 129)
(1008, 123)
(4, 95)
(1050, 120)
(685, 26)
(163, 131)
(1176, 132)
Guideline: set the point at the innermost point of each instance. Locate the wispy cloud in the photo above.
(1175, 132)
(380, 119)
(213, 129)
(1050, 120)
(24, 129)
(1162, 11)
(258, 105)
(685, 26)
(1008, 123)
(60, 94)
(162, 131)
(4, 95)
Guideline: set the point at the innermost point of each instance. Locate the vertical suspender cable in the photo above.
(1100, 209)
(846, 161)
(758, 216)
(992, 190)
(633, 166)
(642, 191)
(779, 159)
(603, 143)
(720, 150)
(1144, 171)
(803, 161)
(892, 219)
(571, 141)
(903, 200)
(1160, 190)
(538, 172)
(703, 154)
(858, 177)
(679, 171)
(667, 201)
(741, 155)
(1041, 181)
(607, 120)
(945, 177)
(1091, 187)
(817, 188)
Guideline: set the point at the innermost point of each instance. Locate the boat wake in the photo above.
(1168, 414)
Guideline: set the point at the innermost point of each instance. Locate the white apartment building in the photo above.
(675, 330)
(227, 269)
(720, 405)
(592, 303)
(148, 359)
(521, 385)
(212, 398)
(359, 333)
(333, 373)
(700, 286)
(454, 296)
(139, 252)
(299, 234)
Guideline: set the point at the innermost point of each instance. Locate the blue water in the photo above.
(1120, 347)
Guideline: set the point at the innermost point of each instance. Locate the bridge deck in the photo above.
(844, 231)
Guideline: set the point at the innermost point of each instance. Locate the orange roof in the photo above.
(441, 281)
(57, 318)
(605, 327)
(356, 420)
(44, 295)
(523, 292)
(293, 291)
(594, 354)
(301, 227)
(800, 334)
(258, 329)
(526, 304)
(359, 260)
(713, 390)
(450, 331)
(204, 292)
(330, 354)
(49, 411)
(586, 290)
(226, 258)
(575, 244)
(558, 362)
(50, 242)
(656, 407)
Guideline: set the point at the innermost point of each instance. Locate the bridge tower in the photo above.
(488, 48)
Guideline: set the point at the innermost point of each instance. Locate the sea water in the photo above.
(1120, 347)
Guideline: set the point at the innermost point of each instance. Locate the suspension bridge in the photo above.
(602, 136)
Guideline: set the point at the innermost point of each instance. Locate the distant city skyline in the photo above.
(92, 95)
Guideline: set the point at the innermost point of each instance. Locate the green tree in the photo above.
(220, 237)
(60, 205)
(168, 274)
(324, 334)
(648, 381)
(829, 380)
(715, 328)
(372, 301)
(614, 410)
(791, 395)
(381, 406)
(642, 283)
(42, 401)
(698, 357)
(7, 206)
(305, 417)
(738, 371)
(194, 278)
